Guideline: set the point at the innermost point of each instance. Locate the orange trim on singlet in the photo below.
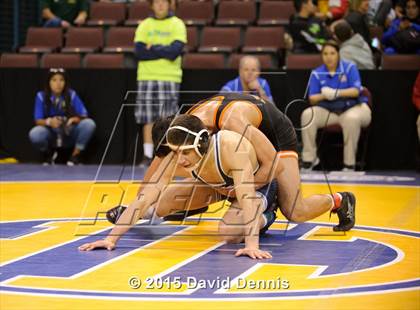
(196, 107)
(284, 154)
(223, 112)
(202, 104)
(246, 102)
(219, 100)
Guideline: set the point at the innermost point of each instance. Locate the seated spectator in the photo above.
(399, 7)
(308, 32)
(352, 46)
(334, 93)
(61, 120)
(380, 12)
(403, 36)
(336, 10)
(359, 20)
(63, 13)
(249, 80)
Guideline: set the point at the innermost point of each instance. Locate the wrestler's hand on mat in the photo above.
(97, 244)
(253, 253)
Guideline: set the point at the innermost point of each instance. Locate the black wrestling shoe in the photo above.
(112, 215)
(181, 215)
(346, 212)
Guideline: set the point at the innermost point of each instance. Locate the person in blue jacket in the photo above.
(335, 97)
(248, 80)
(403, 36)
(61, 120)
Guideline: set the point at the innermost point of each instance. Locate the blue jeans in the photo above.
(55, 22)
(45, 138)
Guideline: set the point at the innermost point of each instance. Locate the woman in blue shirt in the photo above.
(335, 95)
(61, 119)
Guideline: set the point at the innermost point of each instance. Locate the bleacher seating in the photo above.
(42, 40)
(109, 61)
(83, 40)
(120, 39)
(275, 13)
(303, 61)
(106, 13)
(192, 39)
(61, 60)
(203, 61)
(263, 40)
(9, 60)
(401, 62)
(196, 12)
(236, 13)
(220, 39)
(137, 12)
(258, 28)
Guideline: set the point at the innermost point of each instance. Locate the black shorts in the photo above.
(278, 128)
(275, 125)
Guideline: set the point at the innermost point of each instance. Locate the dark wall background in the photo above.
(16, 16)
(392, 140)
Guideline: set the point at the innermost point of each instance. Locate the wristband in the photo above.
(48, 121)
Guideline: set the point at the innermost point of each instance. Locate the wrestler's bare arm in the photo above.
(149, 194)
(242, 172)
(151, 176)
(264, 149)
(149, 172)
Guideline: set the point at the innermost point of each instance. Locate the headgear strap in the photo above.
(197, 140)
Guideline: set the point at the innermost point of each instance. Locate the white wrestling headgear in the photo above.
(200, 138)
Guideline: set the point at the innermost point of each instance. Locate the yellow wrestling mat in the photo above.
(184, 265)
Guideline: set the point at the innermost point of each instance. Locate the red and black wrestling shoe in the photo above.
(346, 212)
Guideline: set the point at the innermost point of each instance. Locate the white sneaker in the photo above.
(348, 168)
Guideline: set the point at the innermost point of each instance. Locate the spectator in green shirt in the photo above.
(64, 13)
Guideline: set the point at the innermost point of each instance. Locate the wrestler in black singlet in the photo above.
(275, 125)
